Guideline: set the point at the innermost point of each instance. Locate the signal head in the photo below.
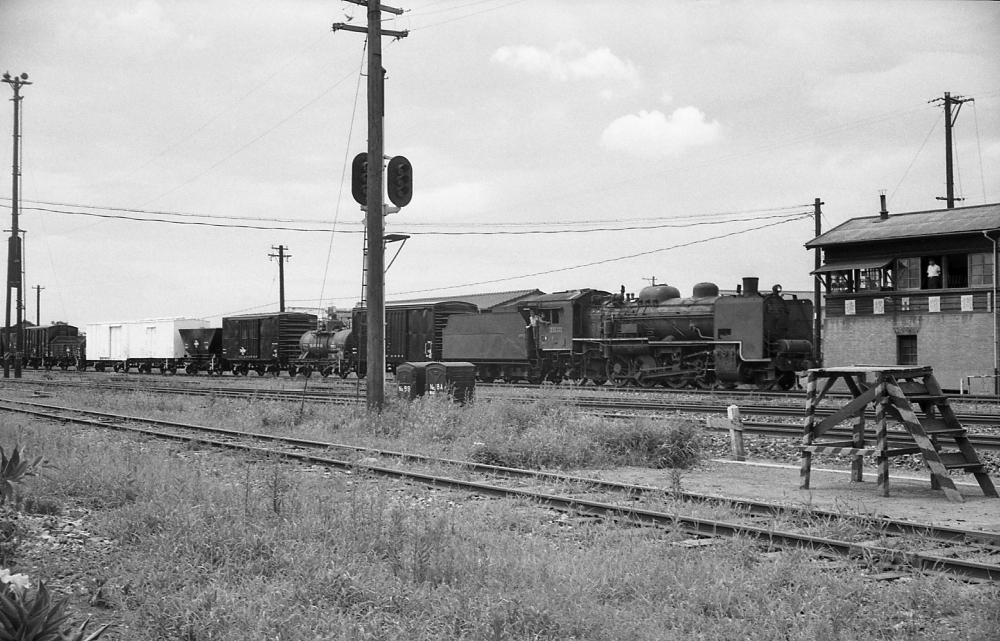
(399, 181)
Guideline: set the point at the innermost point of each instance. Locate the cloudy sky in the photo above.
(168, 146)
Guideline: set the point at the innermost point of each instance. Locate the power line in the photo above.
(316, 226)
(605, 261)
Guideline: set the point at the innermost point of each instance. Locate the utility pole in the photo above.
(14, 274)
(282, 257)
(374, 222)
(949, 122)
(817, 294)
(38, 304)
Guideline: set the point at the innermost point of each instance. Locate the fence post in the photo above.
(736, 433)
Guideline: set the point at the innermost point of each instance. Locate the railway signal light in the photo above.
(400, 181)
(359, 178)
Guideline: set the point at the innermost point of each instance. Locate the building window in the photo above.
(980, 270)
(906, 347)
(908, 273)
(841, 282)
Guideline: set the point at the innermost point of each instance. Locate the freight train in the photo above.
(263, 343)
(655, 338)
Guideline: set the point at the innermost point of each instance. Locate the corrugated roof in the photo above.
(878, 263)
(961, 220)
(482, 301)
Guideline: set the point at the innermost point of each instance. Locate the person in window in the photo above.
(933, 275)
(537, 320)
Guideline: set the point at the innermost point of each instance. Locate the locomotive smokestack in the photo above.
(884, 214)
(750, 286)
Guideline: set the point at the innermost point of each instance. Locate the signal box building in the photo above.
(915, 289)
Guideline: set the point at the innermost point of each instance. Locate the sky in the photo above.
(168, 147)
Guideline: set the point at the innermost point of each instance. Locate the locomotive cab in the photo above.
(553, 324)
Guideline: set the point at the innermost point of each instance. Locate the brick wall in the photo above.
(955, 345)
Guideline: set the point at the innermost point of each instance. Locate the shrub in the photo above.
(674, 444)
(13, 471)
(33, 616)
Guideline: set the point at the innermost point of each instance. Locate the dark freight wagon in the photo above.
(40, 349)
(264, 342)
(413, 331)
(202, 350)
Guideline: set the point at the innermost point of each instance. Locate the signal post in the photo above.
(374, 223)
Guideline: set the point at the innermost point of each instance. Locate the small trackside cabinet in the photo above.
(456, 379)
(411, 379)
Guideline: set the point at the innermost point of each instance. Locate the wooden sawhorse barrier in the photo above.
(894, 389)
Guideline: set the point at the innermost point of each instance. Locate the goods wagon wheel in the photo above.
(305, 370)
(326, 371)
(620, 370)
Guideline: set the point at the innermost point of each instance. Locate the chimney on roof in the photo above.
(884, 214)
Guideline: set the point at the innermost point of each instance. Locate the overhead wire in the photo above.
(979, 146)
(343, 177)
(315, 226)
(917, 155)
(254, 140)
(604, 261)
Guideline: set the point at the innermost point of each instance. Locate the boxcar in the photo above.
(264, 342)
(142, 344)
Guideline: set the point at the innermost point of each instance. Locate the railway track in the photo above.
(919, 547)
(612, 406)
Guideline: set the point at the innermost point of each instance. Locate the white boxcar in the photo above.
(143, 340)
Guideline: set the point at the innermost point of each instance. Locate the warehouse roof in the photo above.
(482, 301)
(938, 222)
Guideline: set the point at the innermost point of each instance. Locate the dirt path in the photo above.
(910, 495)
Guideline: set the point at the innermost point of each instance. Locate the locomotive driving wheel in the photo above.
(643, 371)
(679, 381)
(621, 370)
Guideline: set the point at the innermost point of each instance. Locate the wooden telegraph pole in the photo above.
(282, 257)
(949, 123)
(817, 294)
(374, 221)
(15, 339)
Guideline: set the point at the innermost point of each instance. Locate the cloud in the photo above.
(568, 61)
(652, 134)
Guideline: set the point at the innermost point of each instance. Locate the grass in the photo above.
(215, 546)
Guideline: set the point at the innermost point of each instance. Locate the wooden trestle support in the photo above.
(895, 388)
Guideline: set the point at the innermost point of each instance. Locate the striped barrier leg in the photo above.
(858, 462)
(881, 436)
(807, 432)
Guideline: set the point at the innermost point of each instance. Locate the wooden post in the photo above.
(736, 433)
